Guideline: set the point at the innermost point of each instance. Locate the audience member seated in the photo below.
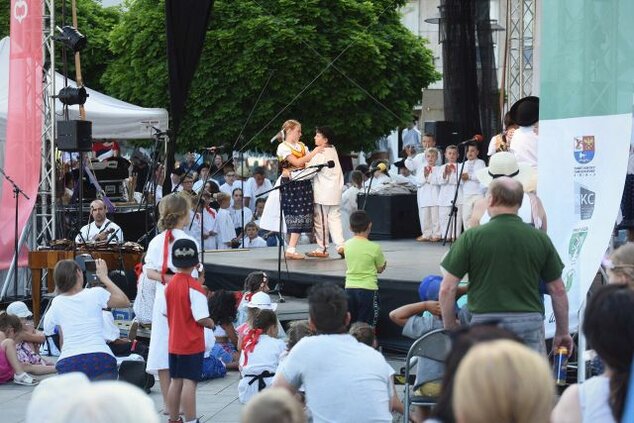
(273, 405)
(77, 312)
(345, 381)
(222, 310)
(254, 282)
(620, 266)
(609, 328)
(101, 229)
(503, 381)
(260, 355)
(105, 402)
(30, 341)
(462, 341)
(252, 240)
(10, 366)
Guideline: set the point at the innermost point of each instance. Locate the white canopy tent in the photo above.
(111, 118)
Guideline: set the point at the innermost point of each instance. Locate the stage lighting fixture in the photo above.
(72, 95)
(71, 38)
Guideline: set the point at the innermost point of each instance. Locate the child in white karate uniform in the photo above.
(448, 179)
(260, 355)
(225, 232)
(472, 189)
(427, 198)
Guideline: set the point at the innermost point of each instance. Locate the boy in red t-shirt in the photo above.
(187, 314)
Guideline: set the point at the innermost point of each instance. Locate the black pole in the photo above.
(453, 214)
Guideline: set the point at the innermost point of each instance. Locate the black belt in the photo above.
(260, 378)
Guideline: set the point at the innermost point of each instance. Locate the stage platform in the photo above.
(408, 262)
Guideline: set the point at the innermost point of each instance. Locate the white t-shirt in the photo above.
(225, 230)
(236, 216)
(524, 145)
(256, 242)
(345, 380)
(594, 396)
(80, 318)
(251, 190)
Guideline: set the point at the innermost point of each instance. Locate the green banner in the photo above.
(587, 58)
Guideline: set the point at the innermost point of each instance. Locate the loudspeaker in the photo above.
(445, 132)
(74, 135)
(393, 216)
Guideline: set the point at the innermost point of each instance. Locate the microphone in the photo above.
(380, 166)
(475, 138)
(276, 136)
(329, 164)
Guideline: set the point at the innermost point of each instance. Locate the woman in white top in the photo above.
(77, 315)
(174, 210)
(297, 197)
(609, 327)
(240, 215)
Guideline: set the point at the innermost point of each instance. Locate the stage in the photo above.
(408, 262)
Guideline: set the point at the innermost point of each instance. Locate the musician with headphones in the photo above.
(101, 229)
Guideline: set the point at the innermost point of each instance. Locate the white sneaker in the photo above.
(25, 379)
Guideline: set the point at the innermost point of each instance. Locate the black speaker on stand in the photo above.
(74, 135)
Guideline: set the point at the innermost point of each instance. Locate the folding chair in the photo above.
(434, 345)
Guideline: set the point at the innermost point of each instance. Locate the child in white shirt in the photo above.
(472, 190)
(427, 198)
(225, 232)
(448, 179)
(252, 240)
(260, 355)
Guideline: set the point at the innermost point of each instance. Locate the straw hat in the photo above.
(505, 164)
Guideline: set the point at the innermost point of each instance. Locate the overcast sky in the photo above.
(110, 2)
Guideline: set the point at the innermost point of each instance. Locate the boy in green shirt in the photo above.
(364, 260)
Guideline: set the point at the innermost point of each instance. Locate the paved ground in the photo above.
(217, 400)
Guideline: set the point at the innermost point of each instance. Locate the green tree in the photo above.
(95, 22)
(348, 64)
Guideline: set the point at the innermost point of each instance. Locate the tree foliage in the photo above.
(318, 53)
(95, 22)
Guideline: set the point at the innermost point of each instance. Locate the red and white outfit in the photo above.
(427, 199)
(159, 258)
(209, 225)
(186, 304)
(445, 197)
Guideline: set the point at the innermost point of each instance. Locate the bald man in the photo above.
(101, 229)
(506, 259)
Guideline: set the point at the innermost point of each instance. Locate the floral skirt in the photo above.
(97, 366)
(297, 205)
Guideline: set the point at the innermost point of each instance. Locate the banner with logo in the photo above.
(587, 91)
(22, 155)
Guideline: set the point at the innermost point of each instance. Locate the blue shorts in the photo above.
(186, 366)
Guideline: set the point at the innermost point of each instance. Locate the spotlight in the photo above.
(71, 38)
(72, 95)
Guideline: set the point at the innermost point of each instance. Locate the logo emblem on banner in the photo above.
(584, 202)
(584, 148)
(20, 10)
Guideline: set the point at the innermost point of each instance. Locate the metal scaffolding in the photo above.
(520, 24)
(43, 219)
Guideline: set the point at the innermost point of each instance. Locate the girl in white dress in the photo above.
(260, 355)
(174, 210)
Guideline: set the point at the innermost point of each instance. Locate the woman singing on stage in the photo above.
(297, 196)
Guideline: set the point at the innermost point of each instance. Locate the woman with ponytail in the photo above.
(609, 327)
(260, 355)
(297, 197)
(174, 215)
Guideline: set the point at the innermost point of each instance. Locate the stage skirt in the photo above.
(297, 205)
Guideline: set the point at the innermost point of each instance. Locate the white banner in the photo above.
(582, 167)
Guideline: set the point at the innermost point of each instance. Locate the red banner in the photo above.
(22, 155)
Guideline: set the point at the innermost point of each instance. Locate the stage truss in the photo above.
(520, 24)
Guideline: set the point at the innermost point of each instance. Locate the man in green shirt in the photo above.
(505, 259)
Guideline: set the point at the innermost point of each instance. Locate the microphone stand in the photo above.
(16, 194)
(367, 191)
(453, 214)
(279, 284)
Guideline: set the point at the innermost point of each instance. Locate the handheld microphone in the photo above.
(276, 136)
(475, 138)
(380, 166)
(329, 164)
